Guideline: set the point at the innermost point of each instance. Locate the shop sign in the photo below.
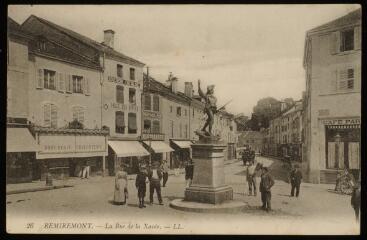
(124, 82)
(149, 114)
(346, 121)
(71, 144)
(121, 106)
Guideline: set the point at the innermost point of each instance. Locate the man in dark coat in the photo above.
(140, 184)
(189, 172)
(295, 179)
(165, 170)
(265, 188)
(356, 200)
(155, 176)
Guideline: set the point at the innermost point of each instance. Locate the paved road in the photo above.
(317, 211)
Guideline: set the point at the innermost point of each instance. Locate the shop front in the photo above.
(21, 150)
(182, 152)
(125, 152)
(340, 148)
(66, 153)
(158, 150)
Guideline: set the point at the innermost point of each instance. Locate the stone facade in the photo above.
(332, 62)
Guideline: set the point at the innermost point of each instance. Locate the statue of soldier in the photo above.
(210, 106)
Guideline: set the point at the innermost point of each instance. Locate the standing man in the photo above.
(266, 184)
(356, 199)
(189, 172)
(165, 172)
(155, 176)
(295, 179)
(251, 177)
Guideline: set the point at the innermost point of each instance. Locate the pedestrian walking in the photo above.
(295, 180)
(356, 200)
(189, 172)
(266, 184)
(85, 170)
(140, 184)
(155, 176)
(251, 177)
(165, 170)
(121, 193)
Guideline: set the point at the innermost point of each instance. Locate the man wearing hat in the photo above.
(155, 176)
(266, 184)
(165, 169)
(140, 184)
(295, 179)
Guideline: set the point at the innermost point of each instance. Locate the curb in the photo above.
(36, 189)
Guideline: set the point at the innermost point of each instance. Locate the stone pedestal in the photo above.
(208, 184)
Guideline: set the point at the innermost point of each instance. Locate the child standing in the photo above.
(140, 184)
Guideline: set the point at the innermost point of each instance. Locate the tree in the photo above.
(265, 110)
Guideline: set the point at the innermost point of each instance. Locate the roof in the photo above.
(88, 41)
(154, 86)
(350, 18)
(295, 108)
(15, 28)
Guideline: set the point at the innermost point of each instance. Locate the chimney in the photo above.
(172, 81)
(108, 37)
(189, 89)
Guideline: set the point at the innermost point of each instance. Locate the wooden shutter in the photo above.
(335, 42)
(343, 79)
(39, 78)
(357, 78)
(56, 81)
(86, 86)
(61, 85)
(68, 83)
(53, 116)
(47, 115)
(357, 38)
(81, 115)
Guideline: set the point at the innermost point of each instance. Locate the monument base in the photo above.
(226, 207)
(208, 194)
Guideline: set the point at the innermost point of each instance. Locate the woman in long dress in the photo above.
(121, 193)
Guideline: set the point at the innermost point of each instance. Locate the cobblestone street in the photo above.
(92, 199)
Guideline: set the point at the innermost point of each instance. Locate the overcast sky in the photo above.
(247, 51)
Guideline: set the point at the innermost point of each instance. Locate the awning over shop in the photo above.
(128, 148)
(182, 144)
(20, 140)
(159, 146)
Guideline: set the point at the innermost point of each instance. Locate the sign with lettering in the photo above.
(122, 81)
(59, 146)
(121, 106)
(148, 114)
(346, 121)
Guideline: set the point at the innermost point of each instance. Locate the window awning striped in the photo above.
(158, 146)
(182, 144)
(128, 148)
(344, 126)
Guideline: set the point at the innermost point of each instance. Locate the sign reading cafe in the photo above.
(346, 121)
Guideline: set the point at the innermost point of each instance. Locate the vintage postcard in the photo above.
(184, 119)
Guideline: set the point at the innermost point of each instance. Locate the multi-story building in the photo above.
(253, 139)
(60, 93)
(284, 134)
(225, 126)
(332, 114)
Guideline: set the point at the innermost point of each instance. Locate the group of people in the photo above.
(147, 174)
(267, 182)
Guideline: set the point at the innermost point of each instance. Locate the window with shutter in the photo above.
(132, 125)
(49, 79)
(61, 86)
(39, 79)
(147, 126)
(78, 114)
(119, 122)
(346, 79)
(147, 102)
(156, 127)
(119, 94)
(155, 103)
(77, 84)
(347, 40)
(132, 96)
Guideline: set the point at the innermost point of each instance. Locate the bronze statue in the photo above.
(210, 107)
